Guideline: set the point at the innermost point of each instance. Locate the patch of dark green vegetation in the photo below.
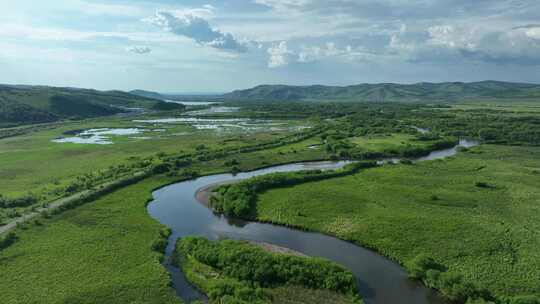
(238, 272)
(7, 240)
(23, 201)
(12, 114)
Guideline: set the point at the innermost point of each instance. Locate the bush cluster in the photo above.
(23, 201)
(249, 263)
(7, 240)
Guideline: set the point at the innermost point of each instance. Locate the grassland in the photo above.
(98, 253)
(383, 142)
(476, 213)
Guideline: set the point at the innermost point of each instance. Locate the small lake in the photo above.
(98, 136)
(380, 280)
(193, 103)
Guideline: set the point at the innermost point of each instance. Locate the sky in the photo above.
(218, 46)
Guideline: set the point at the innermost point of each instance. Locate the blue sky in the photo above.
(194, 46)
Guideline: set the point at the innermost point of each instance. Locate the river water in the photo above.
(380, 280)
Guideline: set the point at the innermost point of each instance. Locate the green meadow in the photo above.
(98, 253)
(382, 142)
(476, 213)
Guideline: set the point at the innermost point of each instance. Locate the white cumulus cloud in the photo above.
(279, 55)
(188, 24)
(533, 33)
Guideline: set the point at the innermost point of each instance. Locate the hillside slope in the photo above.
(390, 92)
(147, 94)
(35, 104)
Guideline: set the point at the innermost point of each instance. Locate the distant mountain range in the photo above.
(37, 104)
(425, 92)
(177, 97)
(446, 92)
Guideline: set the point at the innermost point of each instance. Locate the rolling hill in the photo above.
(391, 92)
(194, 97)
(37, 104)
(148, 94)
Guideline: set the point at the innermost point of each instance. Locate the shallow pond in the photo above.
(380, 280)
(193, 103)
(98, 136)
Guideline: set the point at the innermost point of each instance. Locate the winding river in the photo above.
(380, 280)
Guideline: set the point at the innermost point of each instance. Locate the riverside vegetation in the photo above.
(112, 247)
(239, 272)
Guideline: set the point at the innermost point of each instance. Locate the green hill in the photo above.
(36, 104)
(147, 94)
(391, 92)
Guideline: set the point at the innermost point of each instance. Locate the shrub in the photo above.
(23, 201)
(231, 163)
(419, 266)
(161, 168)
(8, 240)
(483, 185)
(200, 147)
